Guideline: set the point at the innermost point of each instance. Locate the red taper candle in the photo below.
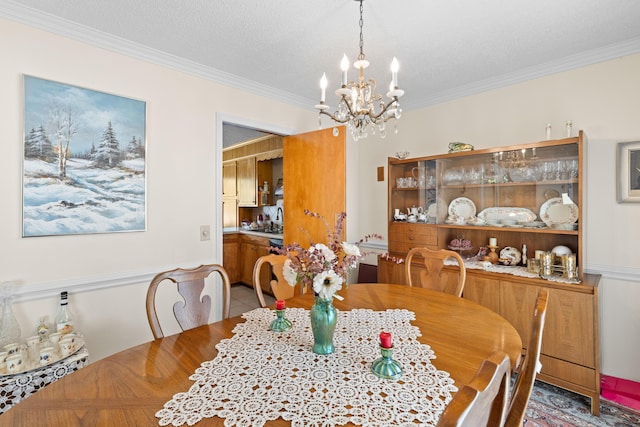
(385, 340)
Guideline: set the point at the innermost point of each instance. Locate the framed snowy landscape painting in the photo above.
(84, 161)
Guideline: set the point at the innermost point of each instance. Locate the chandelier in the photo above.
(359, 106)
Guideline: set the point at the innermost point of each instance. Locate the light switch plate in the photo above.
(205, 232)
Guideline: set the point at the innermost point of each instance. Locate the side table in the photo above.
(16, 387)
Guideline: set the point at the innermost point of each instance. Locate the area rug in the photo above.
(551, 406)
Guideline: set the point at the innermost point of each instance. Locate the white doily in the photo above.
(474, 264)
(14, 388)
(260, 375)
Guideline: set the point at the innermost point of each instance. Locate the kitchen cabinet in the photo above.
(247, 182)
(252, 248)
(230, 256)
(529, 194)
(229, 195)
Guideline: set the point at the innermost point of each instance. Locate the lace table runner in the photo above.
(260, 375)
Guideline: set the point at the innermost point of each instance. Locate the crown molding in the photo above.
(606, 53)
(47, 22)
(62, 27)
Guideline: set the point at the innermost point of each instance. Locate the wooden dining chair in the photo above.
(279, 286)
(530, 365)
(431, 274)
(483, 401)
(195, 309)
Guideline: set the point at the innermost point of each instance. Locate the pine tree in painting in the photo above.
(108, 154)
(135, 149)
(37, 145)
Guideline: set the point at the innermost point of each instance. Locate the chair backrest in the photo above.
(432, 276)
(195, 310)
(523, 384)
(279, 286)
(483, 402)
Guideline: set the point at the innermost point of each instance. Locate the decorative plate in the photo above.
(462, 207)
(432, 210)
(554, 212)
(512, 254)
(520, 215)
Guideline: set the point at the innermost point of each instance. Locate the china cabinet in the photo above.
(521, 196)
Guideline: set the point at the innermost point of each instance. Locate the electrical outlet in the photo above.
(205, 232)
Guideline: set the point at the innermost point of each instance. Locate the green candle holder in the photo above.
(385, 367)
(281, 323)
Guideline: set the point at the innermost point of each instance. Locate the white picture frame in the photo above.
(628, 172)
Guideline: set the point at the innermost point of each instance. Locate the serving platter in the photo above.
(497, 214)
(32, 361)
(462, 207)
(553, 212)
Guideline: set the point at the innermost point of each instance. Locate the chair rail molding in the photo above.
(614, 272)
(29, 292)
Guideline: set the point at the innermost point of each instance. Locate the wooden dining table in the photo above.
(129, 387)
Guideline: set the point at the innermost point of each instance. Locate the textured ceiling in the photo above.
(446, 48)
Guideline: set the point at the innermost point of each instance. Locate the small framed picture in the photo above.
(628, 167)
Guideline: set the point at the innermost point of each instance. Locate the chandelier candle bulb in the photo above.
(344, 66)
(395, 66)
(323, 86)
(385, 340)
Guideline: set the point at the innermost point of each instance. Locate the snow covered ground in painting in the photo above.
(90, 200)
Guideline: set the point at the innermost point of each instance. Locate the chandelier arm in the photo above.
(384, 110)
(333, 117)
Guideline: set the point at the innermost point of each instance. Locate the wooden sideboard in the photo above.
(535, 180)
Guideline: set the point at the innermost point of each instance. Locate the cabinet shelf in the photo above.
(510, 229)
(508, 184)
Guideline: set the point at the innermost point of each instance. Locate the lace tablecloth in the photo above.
(260, 375)
(17, 387)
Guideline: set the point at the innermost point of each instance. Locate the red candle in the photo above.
(385, 340)
(280, 304)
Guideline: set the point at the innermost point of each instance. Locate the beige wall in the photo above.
(604, 101)
(108, 274)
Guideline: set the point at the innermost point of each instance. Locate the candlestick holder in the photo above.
(385, 367)
(281, 323)
(492, 256)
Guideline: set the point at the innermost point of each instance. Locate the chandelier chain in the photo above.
(361, 56)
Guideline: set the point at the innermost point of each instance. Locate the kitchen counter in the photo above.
(239, 230)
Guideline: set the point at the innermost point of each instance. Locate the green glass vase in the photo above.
(323, 324)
